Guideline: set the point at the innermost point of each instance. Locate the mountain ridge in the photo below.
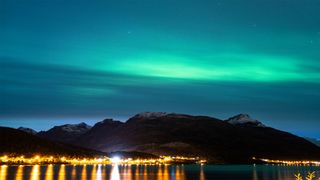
(212, 138)
(235, 140)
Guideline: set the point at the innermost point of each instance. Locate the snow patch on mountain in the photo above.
(76, 128)
(244, 119)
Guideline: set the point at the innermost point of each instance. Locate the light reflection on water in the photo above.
(115, 175)
(19, 173)
(35, 172)
(49, 172)
(3, 172)
(156, 172)
(62, 172)
(84, 172)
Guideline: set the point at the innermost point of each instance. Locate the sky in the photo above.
(73, 61)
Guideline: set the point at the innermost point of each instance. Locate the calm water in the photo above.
(175, 172)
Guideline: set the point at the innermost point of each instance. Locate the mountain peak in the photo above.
(75, 127)
(242, 116)
(244, 119)
(66, 132)
(107, 121)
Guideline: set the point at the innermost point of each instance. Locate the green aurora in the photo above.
(90, 60)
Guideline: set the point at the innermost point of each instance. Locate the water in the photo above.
(154, 172)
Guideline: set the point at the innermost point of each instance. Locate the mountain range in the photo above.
(18, 142)
(235, 140)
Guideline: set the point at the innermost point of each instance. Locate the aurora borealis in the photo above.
(63, 62)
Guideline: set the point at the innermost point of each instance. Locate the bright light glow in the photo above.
(115, 160)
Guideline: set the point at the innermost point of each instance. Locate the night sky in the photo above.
(72, 61)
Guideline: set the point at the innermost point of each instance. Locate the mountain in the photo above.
(244, 120)
(17, 142)
(314, 141)
(65, 133)
(27, 130)
(236, 140)
(101, 130)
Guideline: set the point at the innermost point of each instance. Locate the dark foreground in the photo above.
(165, 172)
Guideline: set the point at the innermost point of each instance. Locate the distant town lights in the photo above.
(101, 160)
